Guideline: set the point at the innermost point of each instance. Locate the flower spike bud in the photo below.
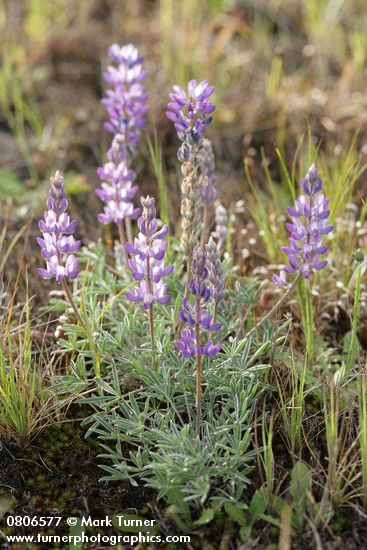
(307, 229)
(207, 164)
(147, 258)
(196, 315)
(215, 271)
(126, 100)
(57, 244)
(190, 110)
(126, 107)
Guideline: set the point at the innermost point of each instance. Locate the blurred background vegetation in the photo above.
(290, 79)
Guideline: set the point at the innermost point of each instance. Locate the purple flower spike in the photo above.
(215, 271)
(307, 229)
(57, 244)
(147, 259)
(126, 101)
(189, 110)
(126, 107)
(197, 318)
(117, 190)
(208, 191)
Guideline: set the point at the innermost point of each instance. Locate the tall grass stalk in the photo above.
(25, 406)
(291, 404)
(265, 219)
(156, 158)
(5, 252)
(363, 431)
(88, 328)
(331, 418)
(20, 110)
(352, 352)
(343, 470)
(267, 456)
(307, 317)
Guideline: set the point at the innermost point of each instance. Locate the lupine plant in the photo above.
(208, 190)
(189, 111)
(199, 321)
(126, 100)
(147, 262)
(126, 106)
(117, 190)
(57, 243)
(307, 230)
(58, 247)
(215, 275)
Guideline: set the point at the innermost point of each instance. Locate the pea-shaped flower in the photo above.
(147, 262)
(57, 243)
(307, 229)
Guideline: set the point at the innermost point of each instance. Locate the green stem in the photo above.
(215, 313)
(204, 232)
(151, 313)
(198, 368)
(305, 297)
(151, 325)
(73, 305)
(129, 230)
(122, 236)
(363, 433)
(352, 346)
(188, 274)
(97, 368)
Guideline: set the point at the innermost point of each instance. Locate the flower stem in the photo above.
(186, 293)
(151, 325)
(129, 230)
(276, 306)
(73, 305)
(215, 313)
(151, 313)
(204, 233)
(188, 274)
(123, 240)
(198, 368)
(97, 368)
(305, 298)
(352, 352)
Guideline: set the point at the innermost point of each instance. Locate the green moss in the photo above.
(339, 522)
